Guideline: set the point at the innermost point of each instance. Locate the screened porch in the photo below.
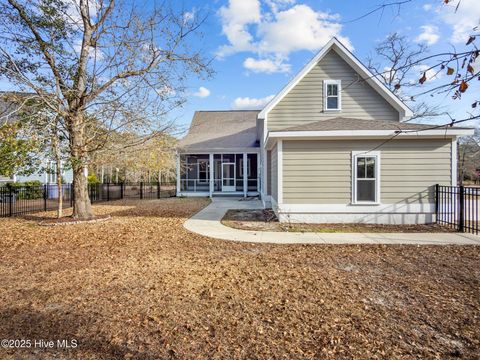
(218, 174)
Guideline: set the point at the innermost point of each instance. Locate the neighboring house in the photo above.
(47, 175)
(332, 146)
(9, 105)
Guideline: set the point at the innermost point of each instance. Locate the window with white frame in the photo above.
(366, 177)
(202, 171)
(332, 91)
(241, 167)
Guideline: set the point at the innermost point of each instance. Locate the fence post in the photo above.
(158, 190)
(141, 189)
(45, 196)
(461, 220)
(10, 196)
(108, 191)
(437, 201)
(122, 190)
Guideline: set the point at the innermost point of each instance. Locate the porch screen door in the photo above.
(228, 177)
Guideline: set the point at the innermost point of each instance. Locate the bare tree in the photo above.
(459, 66)
(395, 62)
(101, 67)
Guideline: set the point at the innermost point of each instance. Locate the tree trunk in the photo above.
(58, 169)
(82, 208)
(60, 188)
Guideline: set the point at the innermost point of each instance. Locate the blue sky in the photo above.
(259, 45)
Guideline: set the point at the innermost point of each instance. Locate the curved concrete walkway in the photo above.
(207, 223)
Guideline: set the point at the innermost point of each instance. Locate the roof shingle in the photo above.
(221, 130)
(339, 123)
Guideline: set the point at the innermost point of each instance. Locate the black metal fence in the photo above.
(18, 200)
(457, 207)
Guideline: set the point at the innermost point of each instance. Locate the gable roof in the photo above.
(221, 130)
(356, 64)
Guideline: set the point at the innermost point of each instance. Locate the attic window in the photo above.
(333, 99)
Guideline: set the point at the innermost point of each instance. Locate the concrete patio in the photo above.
(207, 223)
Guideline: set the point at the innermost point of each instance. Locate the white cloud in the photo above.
(298, 28)
(276, 5)
(429, 35)
(462, 20)
(202, 92)
(93, 52)
(235, 18)
(274, 34)
(73, 14)
(267, 66)
(189, 16)
(431, 74)
(427, 7)
(247, 103)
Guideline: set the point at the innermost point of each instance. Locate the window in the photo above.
(332, 91)
(366, 177)
(241, 167)
(202, 171)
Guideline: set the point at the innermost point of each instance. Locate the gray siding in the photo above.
(269, 172)
(319, 172)
(304, 103)
(274, 174)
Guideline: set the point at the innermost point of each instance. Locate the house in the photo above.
(333, 146)
(9, 108)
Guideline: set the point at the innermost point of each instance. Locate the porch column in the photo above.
(178, 174)
(245, 175)
(211, 182)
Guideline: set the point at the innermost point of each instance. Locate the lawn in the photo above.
(141, 286)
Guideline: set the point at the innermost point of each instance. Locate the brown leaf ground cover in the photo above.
(141, 286)
(266, 220)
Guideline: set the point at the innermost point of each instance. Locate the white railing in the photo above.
(202, 185)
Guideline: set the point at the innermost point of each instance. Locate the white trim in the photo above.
(200, 181)
(211, 177)
(369, 133)
(265, 174)
(215, 193)
(352, 61)
(359, 218)
(215, 151)
(193, 193)
(454, 162)
(178, 174)
(397, 208)
(244, 162)
(259, 175)
(339, 95)
(234, 177)
(376, 155)
(280, 171)
(265, 127)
